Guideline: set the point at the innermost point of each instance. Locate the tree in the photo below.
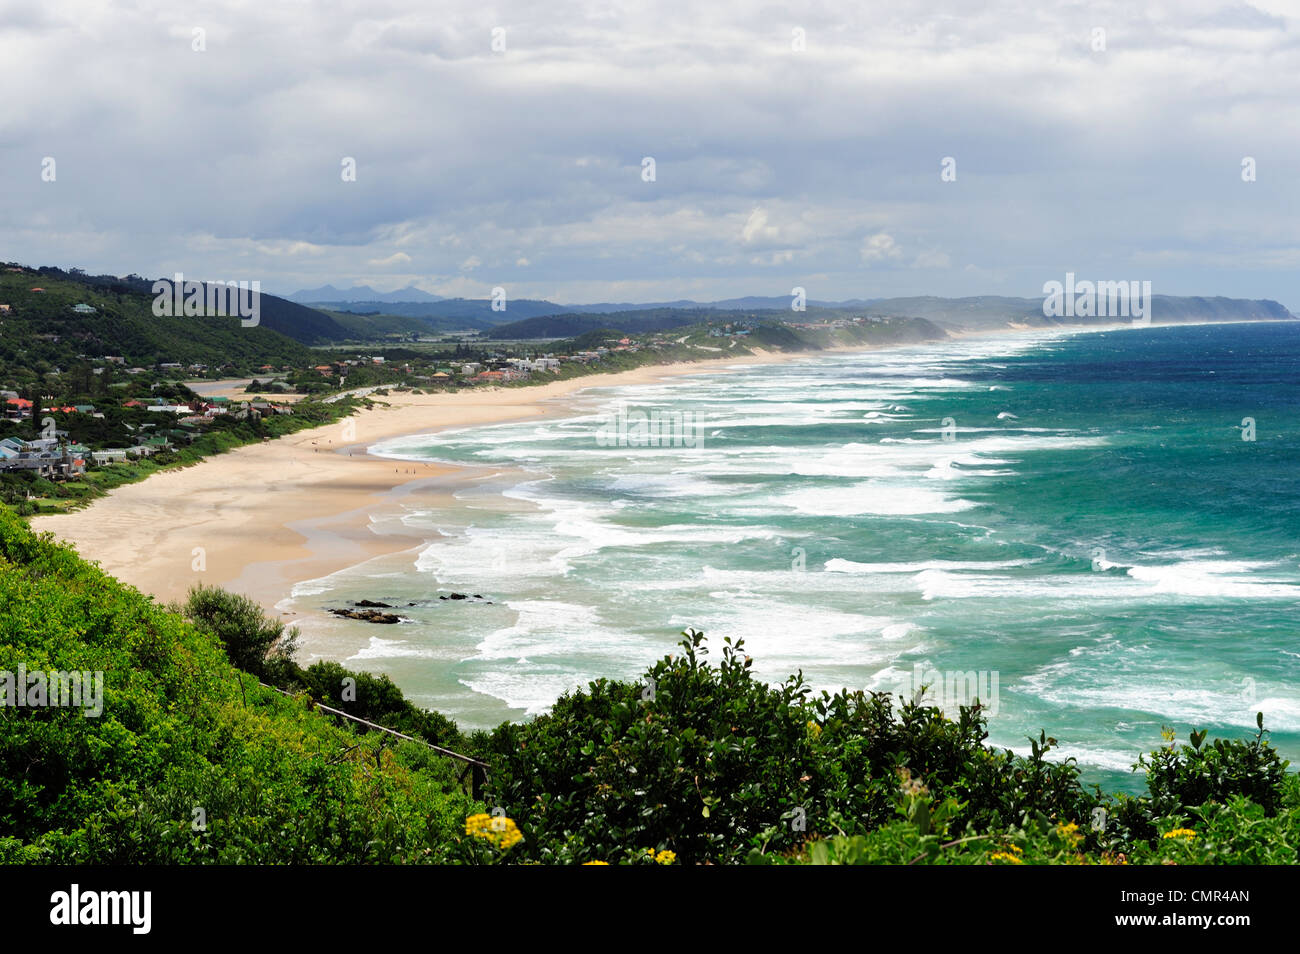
(35, 398)
(81, 380)
(250, 638)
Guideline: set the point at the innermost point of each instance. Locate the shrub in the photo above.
(698, 760)
(250, 637)
(188, 762)
(259, 644)
(371, 697)
(709, 762)
(1191, 775)
(1234, 830)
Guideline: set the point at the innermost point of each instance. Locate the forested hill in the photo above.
(982, 312)
(123, 322)
(629, 322)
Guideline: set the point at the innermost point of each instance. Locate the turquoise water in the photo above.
(1072, 521)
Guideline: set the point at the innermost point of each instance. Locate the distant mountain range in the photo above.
(748, 303)
(977, 312)
(970, 314)
(634, 322)
(123, 323)
(359, 294)
(478, 313)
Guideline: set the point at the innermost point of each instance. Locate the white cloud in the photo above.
(879, 247)
(397, 258)
(756, 228)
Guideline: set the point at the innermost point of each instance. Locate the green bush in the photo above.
(711, 763)
(1238, 832)
(1224, 827)
(190, 761)
(371, 697)
(697, 760)
(715, 766)
(261, 645)
(1191, 775)
(251, 638)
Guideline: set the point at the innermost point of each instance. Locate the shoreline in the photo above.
(263, 518)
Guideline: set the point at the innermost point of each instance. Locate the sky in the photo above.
(857, 150)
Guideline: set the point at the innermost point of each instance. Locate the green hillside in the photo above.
(630, 322)
(183, 739)
(381, 325)
(42, 325)
(461, 312)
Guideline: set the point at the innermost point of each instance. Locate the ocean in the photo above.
(1095, 532)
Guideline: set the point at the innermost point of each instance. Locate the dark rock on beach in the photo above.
(368, 615)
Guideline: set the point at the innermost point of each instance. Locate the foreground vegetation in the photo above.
(192, 761)
(715, 766)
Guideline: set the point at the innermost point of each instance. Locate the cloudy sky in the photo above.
(1106, 139)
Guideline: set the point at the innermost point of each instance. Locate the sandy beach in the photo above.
(263, 517)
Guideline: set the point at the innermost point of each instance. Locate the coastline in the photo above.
(263, 517)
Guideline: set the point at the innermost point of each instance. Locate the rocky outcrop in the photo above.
(367, 615)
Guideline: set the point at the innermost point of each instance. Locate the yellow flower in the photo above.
(1070, 832)
(814, 728)
(666, 857)
(605, 863)
(1179, 833)
(1006, 856)
(497, 829)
